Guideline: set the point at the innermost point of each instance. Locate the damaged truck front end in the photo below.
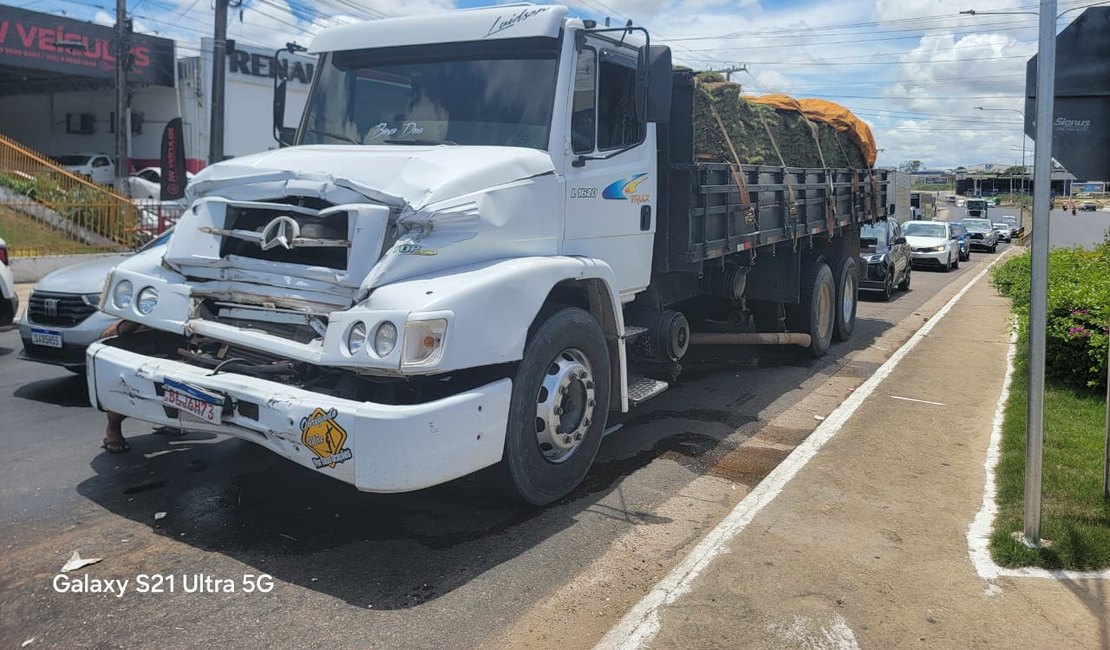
(308, 313)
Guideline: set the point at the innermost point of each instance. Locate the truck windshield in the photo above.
(483, 93)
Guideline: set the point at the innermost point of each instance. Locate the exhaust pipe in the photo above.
(744, 338)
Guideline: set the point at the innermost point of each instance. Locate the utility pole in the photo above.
(739, 67)
(123, 56)
(219, 71)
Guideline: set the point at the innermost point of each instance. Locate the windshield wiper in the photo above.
(332, 135)
(420, 142)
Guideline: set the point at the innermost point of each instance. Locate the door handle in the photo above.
(645, 217)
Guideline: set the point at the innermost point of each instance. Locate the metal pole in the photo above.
(1038, 289)
(123, 52)
(219, 68)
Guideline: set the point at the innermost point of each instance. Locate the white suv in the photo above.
(9, 301)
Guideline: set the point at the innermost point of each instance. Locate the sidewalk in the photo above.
(867, 545)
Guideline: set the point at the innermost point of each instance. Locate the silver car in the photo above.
(62, 318)
(982, 233)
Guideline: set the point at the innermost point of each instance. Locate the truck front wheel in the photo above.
(557, 413)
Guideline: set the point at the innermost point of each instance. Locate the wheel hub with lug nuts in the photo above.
(564, 405)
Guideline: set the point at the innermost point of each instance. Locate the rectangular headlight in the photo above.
(424, 340)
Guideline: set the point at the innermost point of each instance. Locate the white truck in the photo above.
(491, 235)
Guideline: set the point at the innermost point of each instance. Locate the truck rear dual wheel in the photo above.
(558, 409)
(816, 312)
(846, 276)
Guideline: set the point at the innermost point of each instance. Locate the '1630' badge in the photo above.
(323, 435)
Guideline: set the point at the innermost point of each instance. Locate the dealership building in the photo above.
(57, 90)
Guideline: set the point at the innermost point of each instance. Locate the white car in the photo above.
(98, 167)
(932, 243)
(9, 300)
(146, 184)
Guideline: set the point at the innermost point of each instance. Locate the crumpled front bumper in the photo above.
(375, 447)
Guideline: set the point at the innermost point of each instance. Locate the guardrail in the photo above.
(46, 210)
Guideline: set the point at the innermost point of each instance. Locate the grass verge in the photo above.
(26, 237)
(1074, 516)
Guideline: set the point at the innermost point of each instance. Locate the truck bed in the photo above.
(702, 216)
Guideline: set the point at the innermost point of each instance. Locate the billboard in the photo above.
(38, 41)
(1081, 106)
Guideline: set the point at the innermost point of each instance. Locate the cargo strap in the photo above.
(792, 203)
(736, 169)
(855, 197)
(830, 193)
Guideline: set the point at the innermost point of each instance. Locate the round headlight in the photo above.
(356, 338)
(147, 300)
(121, 295)
(385, 339)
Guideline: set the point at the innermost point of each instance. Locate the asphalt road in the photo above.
(1081, 229)
(447, 567)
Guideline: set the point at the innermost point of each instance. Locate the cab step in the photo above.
(632, 332)
(642, 389)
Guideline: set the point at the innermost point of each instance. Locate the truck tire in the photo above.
(816, 313)
(558, 408)
(846, 275)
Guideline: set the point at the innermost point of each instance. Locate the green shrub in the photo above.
(1078, 325)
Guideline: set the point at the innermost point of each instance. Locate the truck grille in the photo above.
(59, 309)
(304, 212)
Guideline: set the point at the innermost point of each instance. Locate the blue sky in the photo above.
(914, 69)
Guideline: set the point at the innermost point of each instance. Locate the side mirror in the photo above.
(892, 209)
(899, 240)
(660, 82)
(279, 115)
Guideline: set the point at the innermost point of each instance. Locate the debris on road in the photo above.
(27, 642)
(76, 562)
(159, 515)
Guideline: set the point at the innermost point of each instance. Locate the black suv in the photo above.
(885, 256)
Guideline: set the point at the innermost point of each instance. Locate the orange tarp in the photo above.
(835, 115)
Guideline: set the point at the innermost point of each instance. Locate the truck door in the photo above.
(610, 167)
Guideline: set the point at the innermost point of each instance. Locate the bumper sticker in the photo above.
(325, 437)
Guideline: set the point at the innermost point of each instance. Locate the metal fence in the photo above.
(46, 210)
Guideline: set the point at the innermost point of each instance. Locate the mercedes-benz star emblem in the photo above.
(281, 231)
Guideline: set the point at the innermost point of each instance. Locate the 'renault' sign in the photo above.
(29, 39)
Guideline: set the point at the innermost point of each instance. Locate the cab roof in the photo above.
(486, 23)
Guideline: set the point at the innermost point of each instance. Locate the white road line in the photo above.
(979, 532)
(640, 625)
(919, 401)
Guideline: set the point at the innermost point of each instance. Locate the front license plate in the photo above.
(48, 338)
(197, 402)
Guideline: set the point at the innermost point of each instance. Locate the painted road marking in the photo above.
(641, 623)
(919, 401)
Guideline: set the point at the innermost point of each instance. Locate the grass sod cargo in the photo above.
(745, 122)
